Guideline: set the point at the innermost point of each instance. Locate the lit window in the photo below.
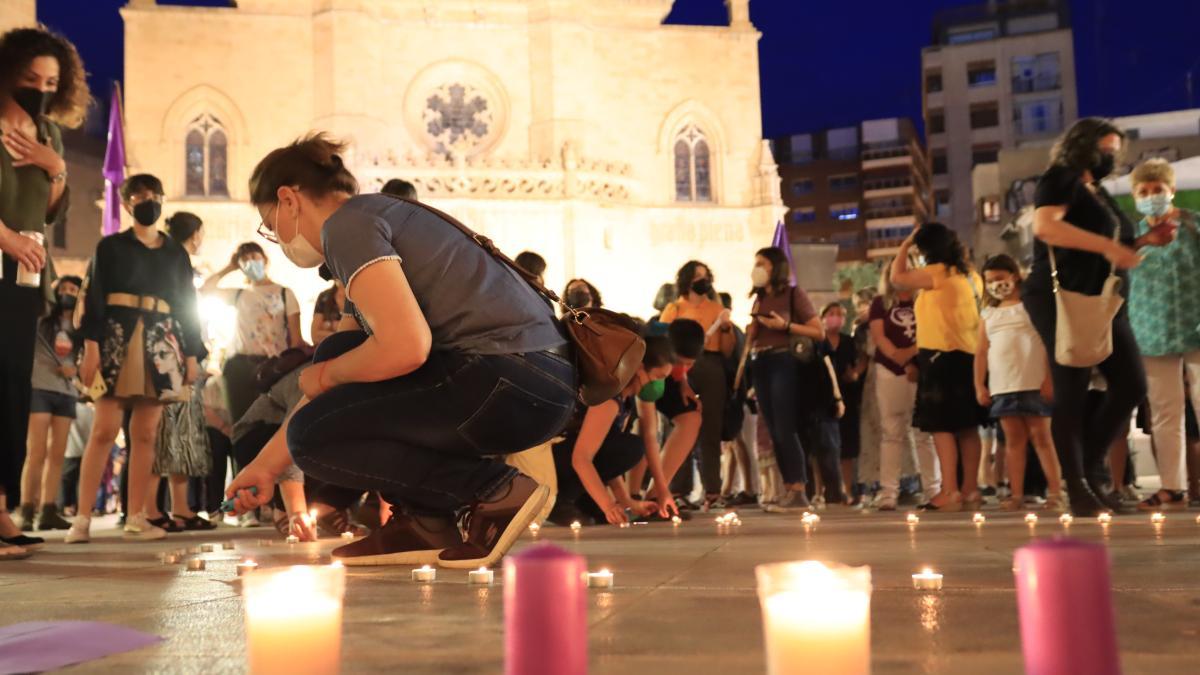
(693, 172)
(981, 75)
(844, 211)
(206, 158)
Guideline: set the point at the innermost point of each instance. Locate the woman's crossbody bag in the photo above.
(1083, 331)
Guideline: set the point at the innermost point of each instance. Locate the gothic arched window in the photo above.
(693, 166)
(206, 156)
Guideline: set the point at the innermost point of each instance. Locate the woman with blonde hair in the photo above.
(1164, 311)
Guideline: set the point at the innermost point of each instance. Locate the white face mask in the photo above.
(1000, 290)
(298, 250)
(759, 277)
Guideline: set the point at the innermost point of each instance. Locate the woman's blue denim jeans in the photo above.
(426, 440)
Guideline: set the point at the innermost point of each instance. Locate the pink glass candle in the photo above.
(545, 613)
(1065, 601)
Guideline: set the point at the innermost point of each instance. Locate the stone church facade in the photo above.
(588, 131)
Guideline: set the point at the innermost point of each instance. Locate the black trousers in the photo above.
(1083, 436)
(619, 453)
(207, 492)
(20, 308)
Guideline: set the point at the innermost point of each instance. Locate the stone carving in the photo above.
(458, 117)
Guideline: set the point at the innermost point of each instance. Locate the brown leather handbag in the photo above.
(607, 346)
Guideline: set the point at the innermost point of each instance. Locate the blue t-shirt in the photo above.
(473, 303)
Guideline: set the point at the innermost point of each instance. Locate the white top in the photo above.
(262, 313)
(1016, 355)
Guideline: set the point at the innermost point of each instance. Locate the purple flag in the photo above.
(781, 241)
(114, 165)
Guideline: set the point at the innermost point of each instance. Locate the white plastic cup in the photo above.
(24, 276)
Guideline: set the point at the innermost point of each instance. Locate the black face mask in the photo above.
(579, 298)
(147, 213)
(32, 101)
(1105, 166)
(702, 287)
(67, 301)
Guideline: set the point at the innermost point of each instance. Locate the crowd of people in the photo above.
(433, 365)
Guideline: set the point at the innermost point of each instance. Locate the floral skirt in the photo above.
(141, 357)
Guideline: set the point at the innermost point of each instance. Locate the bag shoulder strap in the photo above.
(488, 245)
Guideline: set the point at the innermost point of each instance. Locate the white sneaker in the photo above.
(137, 528)
(80, 532)
(249, 519)
(886, 503)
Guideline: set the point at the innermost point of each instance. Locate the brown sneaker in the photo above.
(402, 541)
(492, 527)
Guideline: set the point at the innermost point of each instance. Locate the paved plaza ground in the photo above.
(684, 600)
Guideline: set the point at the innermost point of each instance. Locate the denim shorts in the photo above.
(53, 402)
(1020, 404)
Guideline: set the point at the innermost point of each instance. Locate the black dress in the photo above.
(148, 346)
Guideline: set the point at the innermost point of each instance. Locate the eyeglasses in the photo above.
(266, 232)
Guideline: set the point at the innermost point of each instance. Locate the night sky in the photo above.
(833, 63)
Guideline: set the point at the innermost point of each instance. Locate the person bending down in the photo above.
(599, 448)
(445, 360)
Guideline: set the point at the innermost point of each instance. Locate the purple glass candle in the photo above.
(545, 613)
(1065, 601)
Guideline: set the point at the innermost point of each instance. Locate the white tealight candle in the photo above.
(811, 519)
(1066, 519)
(424, 574)
(481, 576)
(1104, 518)
(292, 539)
(294, 620)
(912, 519)
(624, 526)
(800, 641)
(534, 529)
(347, 535)
(228, 546)
(576, 526)
(1031, 519)
(246, 566)
(927, 580)
(601, 579)
(1198, 520)
(195, 565)
(169, 558)
(676, 520)
(979, 519)
(194, 550)
(265, 542)
(208, 548)
(1158, 518)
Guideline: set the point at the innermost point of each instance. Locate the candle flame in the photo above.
(481, 569)
(926, 571)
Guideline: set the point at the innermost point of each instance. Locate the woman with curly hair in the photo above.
(41, 87)
(1082, 238)
(947, 318)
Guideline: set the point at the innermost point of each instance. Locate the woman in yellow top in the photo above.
(947, 311)
(698, 302)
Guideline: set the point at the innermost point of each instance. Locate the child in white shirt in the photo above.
(1012, 379)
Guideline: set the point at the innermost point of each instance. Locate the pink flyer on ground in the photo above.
(38, 646)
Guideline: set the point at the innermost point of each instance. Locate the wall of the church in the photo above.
(568, 84)
(17, 13)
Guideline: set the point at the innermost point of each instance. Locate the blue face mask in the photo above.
(1154, 205)
(653, 391)
(255, 270)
